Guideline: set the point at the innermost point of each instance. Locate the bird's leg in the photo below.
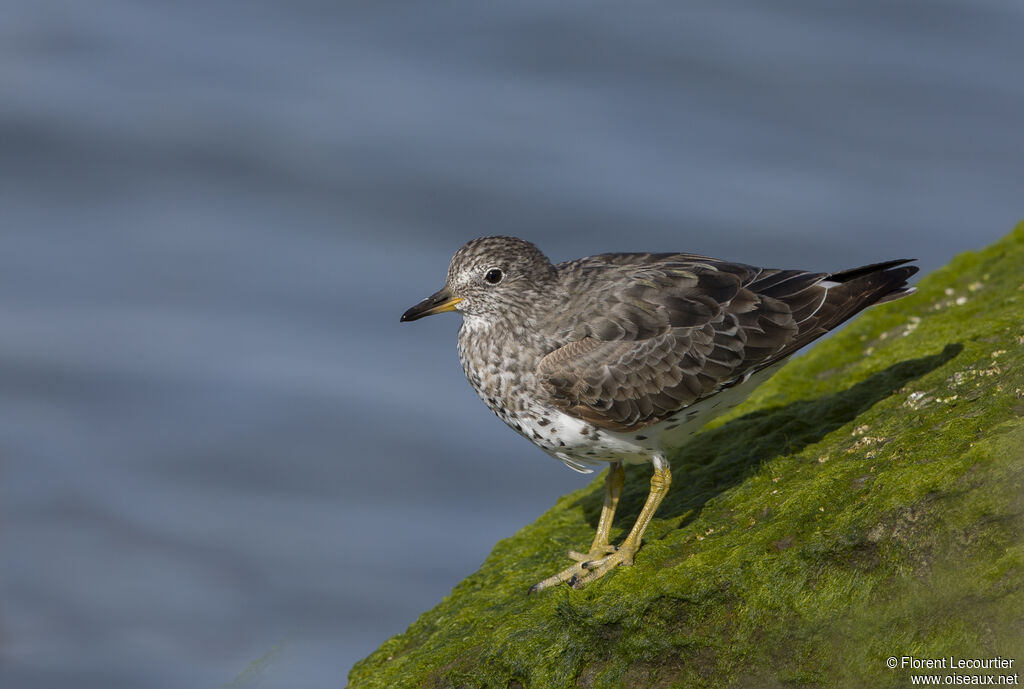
(587, 571)
(661, 479)
(613, 483)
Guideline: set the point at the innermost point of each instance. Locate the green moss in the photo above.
(865, 502)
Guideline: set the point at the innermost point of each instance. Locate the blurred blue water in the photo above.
(215, 435)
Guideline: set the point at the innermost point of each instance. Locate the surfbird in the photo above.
(616, 358)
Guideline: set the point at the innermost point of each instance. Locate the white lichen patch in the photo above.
(701, 537)
(901, 330)
(918, 400)
(951, 301)
(973, 374)
(911, 325)
(860, 430)
(876, 533)
(864, 442)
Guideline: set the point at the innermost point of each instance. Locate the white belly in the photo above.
(582, 446)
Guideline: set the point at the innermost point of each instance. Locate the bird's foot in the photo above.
(589, 567)
(594, 554)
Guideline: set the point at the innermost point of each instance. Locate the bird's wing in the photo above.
(669, 330)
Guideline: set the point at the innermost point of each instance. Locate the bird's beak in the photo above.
(438, 302)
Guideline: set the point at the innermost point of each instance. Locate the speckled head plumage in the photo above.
(490, 277)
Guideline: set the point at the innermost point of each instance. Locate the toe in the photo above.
(588, 568)
(594, 554)
(555, 579)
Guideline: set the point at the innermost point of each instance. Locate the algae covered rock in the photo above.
(867, 502)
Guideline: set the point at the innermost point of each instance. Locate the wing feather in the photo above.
(655, 333)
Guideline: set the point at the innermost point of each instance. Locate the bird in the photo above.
(617, 358)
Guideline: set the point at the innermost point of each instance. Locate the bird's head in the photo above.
(488, 277)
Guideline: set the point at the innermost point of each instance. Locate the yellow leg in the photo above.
(593, 568)
(613, 483)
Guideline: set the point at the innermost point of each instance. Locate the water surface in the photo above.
(215, 436)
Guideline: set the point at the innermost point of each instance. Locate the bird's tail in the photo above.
(879, 282)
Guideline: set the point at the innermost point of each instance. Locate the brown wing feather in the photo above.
(684, 327)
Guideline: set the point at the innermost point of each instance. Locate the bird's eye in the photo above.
(494, 276)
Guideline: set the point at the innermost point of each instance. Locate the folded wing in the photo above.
(672, 329)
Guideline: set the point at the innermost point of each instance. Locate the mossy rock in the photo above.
(865, 502)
